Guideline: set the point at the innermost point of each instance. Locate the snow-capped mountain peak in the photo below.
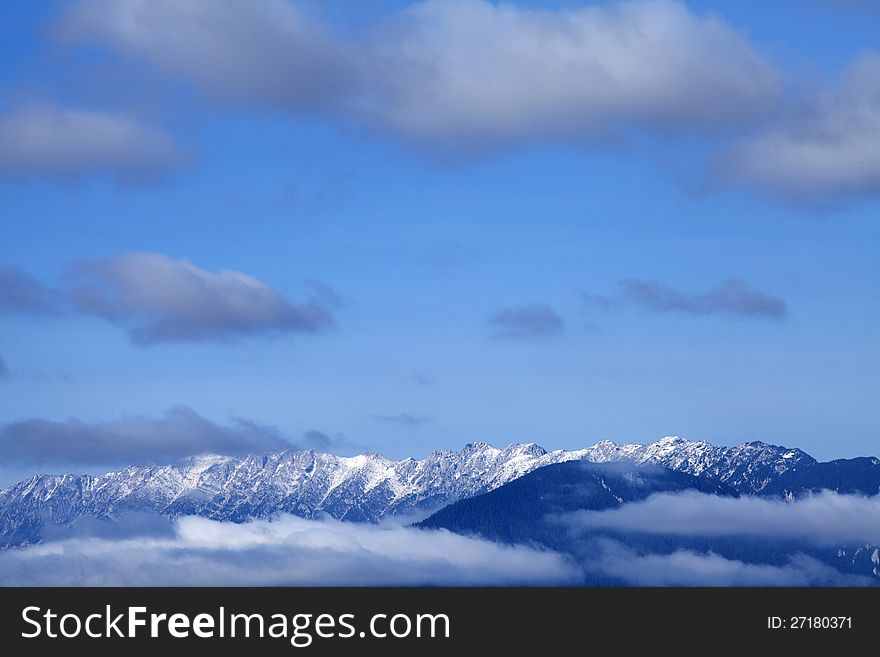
(366, 487)
(748, 467)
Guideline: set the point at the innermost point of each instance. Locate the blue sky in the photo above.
(519, 248)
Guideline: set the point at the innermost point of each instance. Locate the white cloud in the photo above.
(42, 140)
(453, 73)
(475, 71)
(474, 75)
(161, 299)
(825, 518)
(287, 551)
(824, 151)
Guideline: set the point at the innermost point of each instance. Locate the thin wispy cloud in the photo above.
(132, 440)
(849, 6)
(405, 419)
(731, 297)
(22, 293)
(452, 253)
(270, 53)
(4, 370)
(161, 299)
(50, 141)
(823, 151)
(423, 380)
(318, 441)
(533, 320)
(289, 551)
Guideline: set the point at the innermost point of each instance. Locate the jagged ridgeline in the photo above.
(369, 487)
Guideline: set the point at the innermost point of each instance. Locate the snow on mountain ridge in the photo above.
(366, 487)
(748, 467)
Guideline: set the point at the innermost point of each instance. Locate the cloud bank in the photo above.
(146, 550)
(731, 297)
(532, 320)
(43, 140)
(689, 568)
(289, 551)
(161, 299)
(452, 73)
(132, 440)
(827, 518)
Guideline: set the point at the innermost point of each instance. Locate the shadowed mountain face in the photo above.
(517, 512)
(540, 510)
(859, 476)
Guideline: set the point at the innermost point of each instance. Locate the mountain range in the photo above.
(369, 487)
(540, 510)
